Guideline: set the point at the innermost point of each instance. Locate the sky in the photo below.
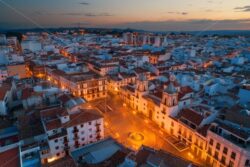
(154, 15)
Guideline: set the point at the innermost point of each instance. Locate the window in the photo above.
(216, 155)
(89, 123)
(218, 146)
(223, 160)
(233, 155)
(90, 136)
(83, 139)
(247, 162)
(81, 125)
(201, 145)
(56, 140)
(209, 151)
(211, 142)
(225, 150)
(231, 164)
(58, 154)
(172, 124)
(57, 147)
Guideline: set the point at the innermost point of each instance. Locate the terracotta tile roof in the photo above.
(82, 117)
(183, 91)
(186, 89)
(3, 90)
(65, 97)
(53, 124)
(26, 93)
(10, 158)
(191, 115)
(53, 112)
(203, 130)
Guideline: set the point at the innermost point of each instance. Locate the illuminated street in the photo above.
(121, 122)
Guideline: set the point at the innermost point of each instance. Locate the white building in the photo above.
(228, 145)
(5, 98)
(32, 45)
(67, 132)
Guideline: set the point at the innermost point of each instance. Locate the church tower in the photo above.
(170, 94)
(142, 84)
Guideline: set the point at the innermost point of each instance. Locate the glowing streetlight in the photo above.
(117, 135)
(190, 155)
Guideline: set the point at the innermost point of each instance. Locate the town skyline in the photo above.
(164, 15)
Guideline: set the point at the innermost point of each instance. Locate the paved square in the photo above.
(133, 129)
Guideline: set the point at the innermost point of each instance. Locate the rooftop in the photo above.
(10, 158)
(97, 152)
(83, 116)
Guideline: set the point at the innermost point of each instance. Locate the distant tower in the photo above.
(170, 94)
(142, 84)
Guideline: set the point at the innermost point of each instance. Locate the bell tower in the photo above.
(142, 84)
(170, 94)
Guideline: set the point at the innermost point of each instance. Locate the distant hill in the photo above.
(120, 31)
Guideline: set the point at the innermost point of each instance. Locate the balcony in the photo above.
(65, 141)
(97, 124)
(75, 131)
(98, 137)
(76, 138)
(66, 147)
(98, 130)
(77, 144)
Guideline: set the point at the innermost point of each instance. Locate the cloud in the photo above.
(84, 3)
(72, 14)
(243, 9)
(188, 25)
(79, 24)
(42, 13)
(209, 10)
(98, 14)
(178, 13)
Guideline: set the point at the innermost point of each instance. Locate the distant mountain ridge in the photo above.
(117, 30)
